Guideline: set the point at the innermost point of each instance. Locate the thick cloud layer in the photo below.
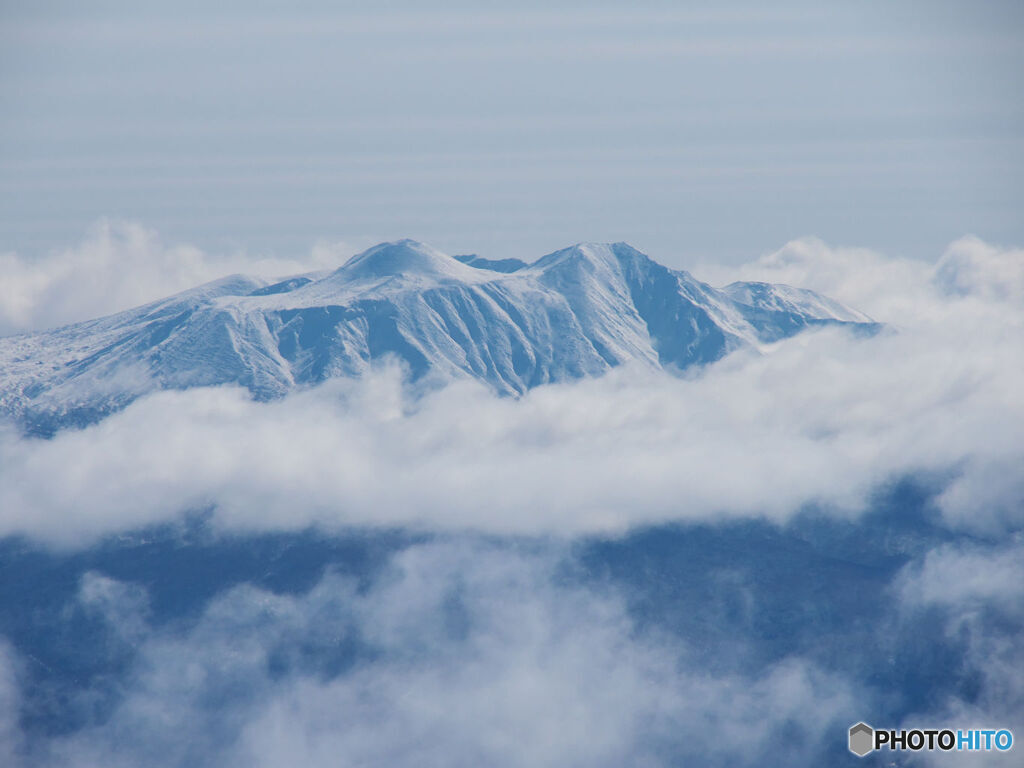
(823, 419)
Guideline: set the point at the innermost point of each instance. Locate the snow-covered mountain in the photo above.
(576, 312)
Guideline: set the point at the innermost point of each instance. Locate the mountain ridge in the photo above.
(576, 312)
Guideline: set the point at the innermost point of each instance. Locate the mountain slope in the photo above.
(576, 312)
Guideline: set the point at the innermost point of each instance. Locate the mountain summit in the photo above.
(405, 258)
(577, 312)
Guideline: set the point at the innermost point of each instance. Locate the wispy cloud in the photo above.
(978, 591)
(458, 654)
(120, 265)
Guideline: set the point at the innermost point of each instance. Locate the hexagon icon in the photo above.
(862, 738)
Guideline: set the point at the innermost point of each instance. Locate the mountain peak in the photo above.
(578, 253)
(594, 252)
(404, 258)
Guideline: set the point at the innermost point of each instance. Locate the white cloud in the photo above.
(891, 289)
(967, 578)
(121, 265)
(979, 590)
(972, 267)
(886, 288)
(123, 607)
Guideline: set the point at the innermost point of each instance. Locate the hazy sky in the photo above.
(695, 132)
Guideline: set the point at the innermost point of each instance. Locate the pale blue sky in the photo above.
(511, 129)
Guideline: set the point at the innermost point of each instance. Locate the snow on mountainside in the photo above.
(576, 312)
(785, 298)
